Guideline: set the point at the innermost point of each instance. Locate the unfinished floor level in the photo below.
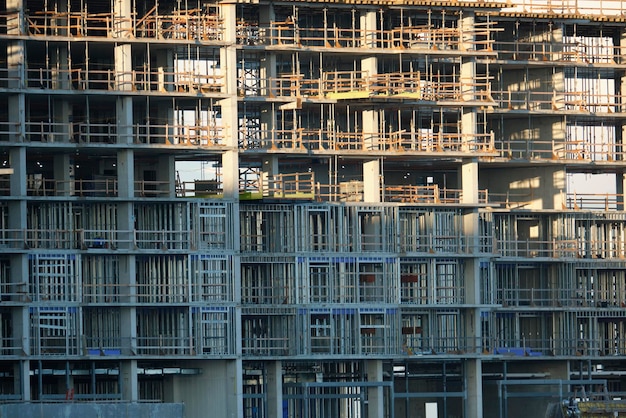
(264, 209)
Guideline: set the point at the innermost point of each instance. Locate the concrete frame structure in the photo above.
(386, 221)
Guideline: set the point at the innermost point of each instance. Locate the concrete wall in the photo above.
(539, 137)
(214, 392)
(95, 410)
(541, 187)
(520, 403)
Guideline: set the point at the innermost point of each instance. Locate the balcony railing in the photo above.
(572, 52)
(580, 150)
(90, 239)
(208, 135)
(573, 101)
(332, 140)
(85, 78)
(340, 85)
(600, 8)
(424, 38)
(193, 24)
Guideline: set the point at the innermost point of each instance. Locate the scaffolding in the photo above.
(381, 219)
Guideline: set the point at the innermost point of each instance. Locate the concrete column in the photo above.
(17, 187)
(16, 102)
(274, 388)
(166, 175)
(620, 89)
(128, 326)
(217, 391)
(270, 169)
(469, 186)
(59, 67)
(267, 74)
(620, 130)
(126, 173)
(474, 386)
(124, 112)
(15, 50)
(375, 395)
(122, 10)
(17, 161)
(60, 79)
(21, 380)
(268, 64)
(19, 262)
(371, 181)
(471, 332)
(62, 118)
(556, 41)
(469, 181)
(165, 69)
(123, 70)
(555, 129)
(368, 22)
(468, 64)
(16, 6)
(371, 168)
(62, 173)
(620, 183)
(123, 67)
(468, 84)
(130, 387)
(228, 64)
(126, 265)
(20, 315)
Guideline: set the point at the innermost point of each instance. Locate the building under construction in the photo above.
(354, 208)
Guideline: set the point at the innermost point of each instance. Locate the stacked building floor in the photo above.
(357, 208)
